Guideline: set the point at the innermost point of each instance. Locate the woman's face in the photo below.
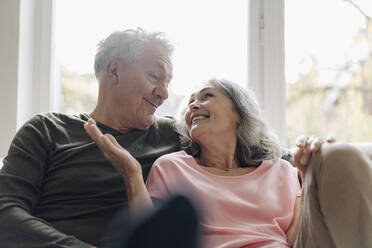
(211, 112)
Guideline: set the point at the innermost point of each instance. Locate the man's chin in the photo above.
(146, 122)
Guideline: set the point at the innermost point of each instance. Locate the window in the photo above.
(210, 39)
(328, 69)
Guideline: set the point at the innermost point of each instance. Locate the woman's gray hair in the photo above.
(126, 45)
(255, 141)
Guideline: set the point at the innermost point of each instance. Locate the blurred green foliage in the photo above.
(341, 109)
(79, 92)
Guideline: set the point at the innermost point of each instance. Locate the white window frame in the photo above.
(266, 61)
(27, 62)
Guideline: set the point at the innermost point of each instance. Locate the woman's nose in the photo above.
(194, 105)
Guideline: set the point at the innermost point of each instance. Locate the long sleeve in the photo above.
(21, 182)
(56, 187)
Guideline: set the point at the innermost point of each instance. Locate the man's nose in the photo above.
(161, 91)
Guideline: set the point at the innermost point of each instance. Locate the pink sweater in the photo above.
(251, 210)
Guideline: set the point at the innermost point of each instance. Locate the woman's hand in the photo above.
(306, 146)
(120, 158)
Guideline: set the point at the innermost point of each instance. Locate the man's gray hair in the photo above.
(255, 141)
(126, 45)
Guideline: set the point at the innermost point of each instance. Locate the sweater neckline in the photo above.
(196, 166)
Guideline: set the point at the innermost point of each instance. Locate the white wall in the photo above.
(9, 59)
(26, 63)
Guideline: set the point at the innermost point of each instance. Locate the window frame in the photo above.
(266, 72)
(28, 64)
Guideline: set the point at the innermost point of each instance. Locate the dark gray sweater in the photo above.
(56, 187)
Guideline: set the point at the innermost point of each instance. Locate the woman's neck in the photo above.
(219, 154)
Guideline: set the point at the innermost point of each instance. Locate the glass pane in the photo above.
(210, 40)
(328, 69)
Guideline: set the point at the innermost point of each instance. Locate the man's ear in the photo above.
(112, 70)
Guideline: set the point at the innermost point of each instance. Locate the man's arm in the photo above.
(21, 181)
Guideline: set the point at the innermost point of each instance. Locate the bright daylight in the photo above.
(327, 56)
(186, 124)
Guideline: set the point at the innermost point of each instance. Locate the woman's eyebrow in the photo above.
(201, 91)
(206, 88)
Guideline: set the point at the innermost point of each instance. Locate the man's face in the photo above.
(142, 87)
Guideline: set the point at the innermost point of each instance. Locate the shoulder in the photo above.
(58, 118)
(164, 122)
(179, 160)
(164, 130)
(281, 173)
(281, 166)
(52, 124)
(62, 118)
(172, 157)
(175, 165)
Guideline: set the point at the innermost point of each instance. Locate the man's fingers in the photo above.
(114, 141)
(112, 145)
(111, 149)
(102, 141)
(92, 129)
(91, 121)
(95, 134)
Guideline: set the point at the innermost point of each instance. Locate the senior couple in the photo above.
(57, 189)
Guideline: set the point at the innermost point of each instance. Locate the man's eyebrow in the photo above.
(161, 66)
(165, 69)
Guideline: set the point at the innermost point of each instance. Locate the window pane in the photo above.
(210, 40)
(328, 69)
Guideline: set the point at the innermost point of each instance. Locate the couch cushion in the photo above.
(365, 147)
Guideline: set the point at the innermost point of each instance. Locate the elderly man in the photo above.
(56, 187)
(58, 190)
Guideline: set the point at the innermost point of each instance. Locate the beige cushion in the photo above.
(365, 148)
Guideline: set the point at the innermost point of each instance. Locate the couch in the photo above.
(366, 148)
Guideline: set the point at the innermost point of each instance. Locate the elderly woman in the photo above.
(231, 166)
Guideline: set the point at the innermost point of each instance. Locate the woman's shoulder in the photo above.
(174, 156)
(175, 162)
(178, 154)
(280, 165)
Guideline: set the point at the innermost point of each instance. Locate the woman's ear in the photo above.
(237, 117)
